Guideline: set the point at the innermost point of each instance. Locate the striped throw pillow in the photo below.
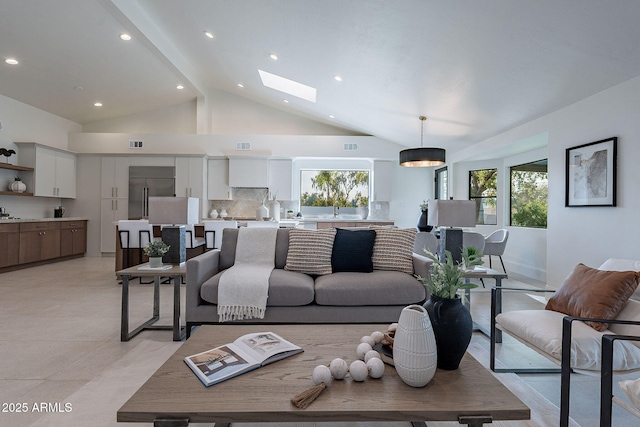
(310, 251)
(393, 249)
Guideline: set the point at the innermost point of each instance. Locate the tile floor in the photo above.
(60, 329)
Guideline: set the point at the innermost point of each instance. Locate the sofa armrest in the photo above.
(421, 265)
(199, 270)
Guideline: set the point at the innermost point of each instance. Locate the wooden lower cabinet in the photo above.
(73, 238)
(9, 242)
(39, 241)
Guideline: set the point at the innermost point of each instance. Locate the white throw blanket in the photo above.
(244, 288)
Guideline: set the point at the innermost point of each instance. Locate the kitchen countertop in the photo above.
(12, 220)
(342, 220)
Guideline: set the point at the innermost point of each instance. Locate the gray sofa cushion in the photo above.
(377, 288)
(286, 288)
(230, 240)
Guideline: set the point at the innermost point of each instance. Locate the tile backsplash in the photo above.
(246, 201)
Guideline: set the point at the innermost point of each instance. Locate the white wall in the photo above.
(21, 122)
(588, 235)
(411, 186)
(176, 119)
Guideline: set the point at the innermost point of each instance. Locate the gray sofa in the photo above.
(345, 297)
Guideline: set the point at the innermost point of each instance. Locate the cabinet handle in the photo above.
(116, 191)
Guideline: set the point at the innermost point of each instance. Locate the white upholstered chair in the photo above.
(213, 232)
(272, 224)
(193, 241)
(476, 240)
(425, 240)
(495, 244)
(134, 235)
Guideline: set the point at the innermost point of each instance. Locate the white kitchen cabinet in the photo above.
(382, 180)
(191, 180)
(54, 170)
(251, 172)
(218, 179)
(111, 211)
(280, 178)
(115, 177)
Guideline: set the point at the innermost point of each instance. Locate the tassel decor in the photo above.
(304, 399)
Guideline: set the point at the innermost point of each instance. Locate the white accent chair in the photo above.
(495, 244)
(134, 235)
(271, 224)
(425, 240)
(192, 241)
(476, 240)
(213, 232)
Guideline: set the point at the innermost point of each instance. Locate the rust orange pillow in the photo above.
(589, 292)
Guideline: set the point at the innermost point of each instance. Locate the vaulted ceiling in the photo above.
(474, 68)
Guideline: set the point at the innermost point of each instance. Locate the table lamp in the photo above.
(173, 213)
(450, 215)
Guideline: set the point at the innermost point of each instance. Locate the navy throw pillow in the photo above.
(352, 251)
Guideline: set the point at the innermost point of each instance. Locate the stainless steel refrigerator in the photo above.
(149, 181)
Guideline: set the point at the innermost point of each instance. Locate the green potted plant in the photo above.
(155, 249)
(451, 320)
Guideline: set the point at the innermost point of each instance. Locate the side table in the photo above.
(177, 273)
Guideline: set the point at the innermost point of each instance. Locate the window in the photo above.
(529, 193)
(441, 184)
(483, 189)
(322, 189)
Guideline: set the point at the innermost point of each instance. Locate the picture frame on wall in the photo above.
(591, 174)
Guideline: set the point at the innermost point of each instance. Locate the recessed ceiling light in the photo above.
(209, 34)
(288, 86)
(286, 101)
(124, 36)
(11, 61)
(240, 85)
(337, 78)
(273, 56)
(97, 104)
(179, 87)
(331, 116)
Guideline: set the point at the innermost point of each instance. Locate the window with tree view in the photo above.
(320, 189)
(529, 193)
(483, 189)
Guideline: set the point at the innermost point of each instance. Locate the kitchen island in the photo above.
(320, 223)
(35, 241)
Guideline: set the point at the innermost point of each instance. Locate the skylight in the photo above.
(288, 86)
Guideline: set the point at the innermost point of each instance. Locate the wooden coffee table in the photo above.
(174, 396)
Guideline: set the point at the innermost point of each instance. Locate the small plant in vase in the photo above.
(424, 216)
(17, 185)
(155, 250)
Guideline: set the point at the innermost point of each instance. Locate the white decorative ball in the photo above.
(362, 349)
(371, 354)
(338, 368)
(369, 340)
(392, 327)
(377, 336)
(321, 374)
(358, 370)
(376, 368)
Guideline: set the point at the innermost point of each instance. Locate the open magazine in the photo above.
(248, 352)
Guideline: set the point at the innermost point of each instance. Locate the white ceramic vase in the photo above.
(414, 347)
(261, 213)
(274, 210)
(213, 213)
(155, 262)
(18, 187)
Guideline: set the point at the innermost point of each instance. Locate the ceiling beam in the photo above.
(133, 17)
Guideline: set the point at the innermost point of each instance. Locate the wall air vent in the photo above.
(243, 146)
(136, 144)
(350, 147)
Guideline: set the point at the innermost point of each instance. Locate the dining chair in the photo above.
(134, 235)
(213, 232)
(495, 244)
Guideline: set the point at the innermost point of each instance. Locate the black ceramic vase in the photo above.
(422, 222)
(452, 327)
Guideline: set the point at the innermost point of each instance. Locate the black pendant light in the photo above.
(422, 157)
